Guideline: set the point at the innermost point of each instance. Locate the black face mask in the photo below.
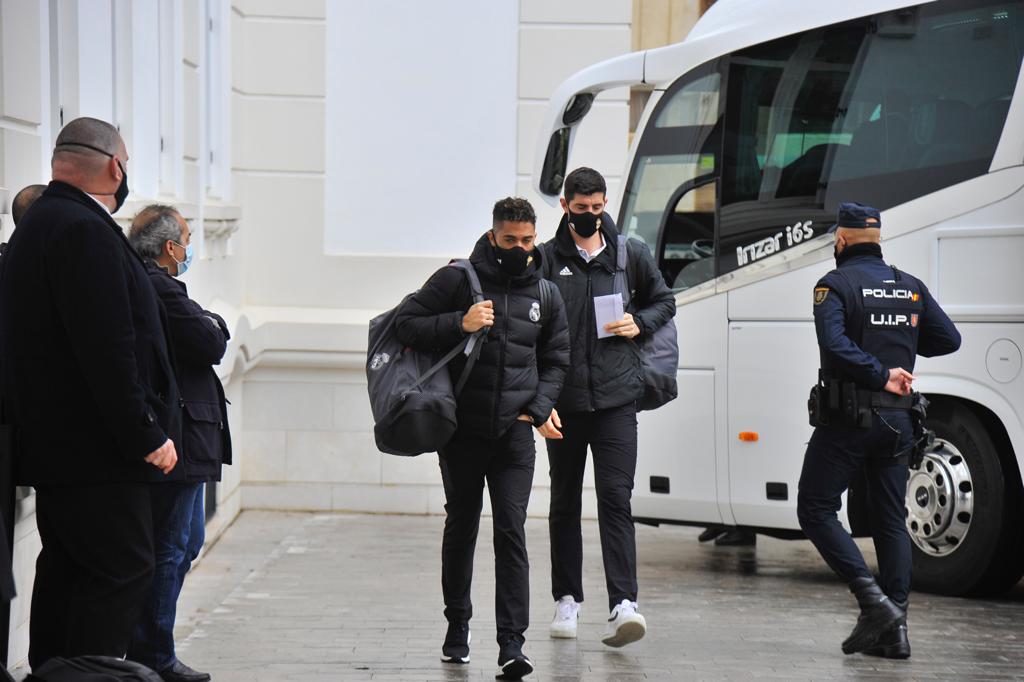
(122, 190)
(584, 224)
(121, 193)
(514, 261)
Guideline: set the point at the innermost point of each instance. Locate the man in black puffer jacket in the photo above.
(597, 407)
(513, 385)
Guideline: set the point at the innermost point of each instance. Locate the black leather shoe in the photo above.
(736, 537)
(894, 642)
(710, 533)
(878, 614)
(179, 672)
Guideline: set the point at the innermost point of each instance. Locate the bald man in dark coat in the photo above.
(87, 382)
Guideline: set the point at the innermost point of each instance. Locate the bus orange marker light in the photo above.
(749, 436)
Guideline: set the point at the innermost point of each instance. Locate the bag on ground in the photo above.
(92, 669)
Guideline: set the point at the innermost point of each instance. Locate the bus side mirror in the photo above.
(555, 161)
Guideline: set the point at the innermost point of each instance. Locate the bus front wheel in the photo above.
(963, 510)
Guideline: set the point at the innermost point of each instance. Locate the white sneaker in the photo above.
(567, 614)
(625, 625)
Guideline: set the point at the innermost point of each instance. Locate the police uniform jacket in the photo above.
(87, 376)
(871, 317)
(199, 339)
(524, 356)
(606, 372)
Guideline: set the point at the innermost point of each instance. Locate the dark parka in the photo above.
(87, 372)
(199, 339)
(523, 360)
(605, 372)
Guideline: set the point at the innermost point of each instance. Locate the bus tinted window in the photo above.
(678, 151)
(881, 111)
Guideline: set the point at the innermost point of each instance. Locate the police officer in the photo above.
(872, 321)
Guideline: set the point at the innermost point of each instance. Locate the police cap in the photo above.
(854, 215)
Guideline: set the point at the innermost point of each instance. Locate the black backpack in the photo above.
(412, 400)
(659, 350)
(92, 669)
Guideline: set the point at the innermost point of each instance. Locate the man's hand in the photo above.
(480, 315)
(900, 381)
(550, 428)
(625, 327)
(163, 458)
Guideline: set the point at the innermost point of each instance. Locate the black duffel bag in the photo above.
(412, 399)
(92, 669)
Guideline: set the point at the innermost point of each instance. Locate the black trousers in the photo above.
(94, 571)
(506, 464)
(611, 436)
(834, 456)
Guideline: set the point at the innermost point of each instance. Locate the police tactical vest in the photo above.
(883, 311)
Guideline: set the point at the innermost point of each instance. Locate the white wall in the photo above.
(415, 101)
(421, 132)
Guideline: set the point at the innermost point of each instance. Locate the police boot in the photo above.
(894, 642)
(878, 614)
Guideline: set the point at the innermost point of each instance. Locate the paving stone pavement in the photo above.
(287, 596)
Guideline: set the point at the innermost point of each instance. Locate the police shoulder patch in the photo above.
(820, 294)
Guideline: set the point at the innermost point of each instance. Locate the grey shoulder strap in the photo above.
(545, 299)
(478, 295)
(474, 282)
(621, 271)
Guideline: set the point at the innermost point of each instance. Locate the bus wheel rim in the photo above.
(940, 501)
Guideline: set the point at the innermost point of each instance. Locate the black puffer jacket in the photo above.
(605, 372)
(523, 360)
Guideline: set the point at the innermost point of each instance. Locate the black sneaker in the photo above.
(512, 662)
(456, 643)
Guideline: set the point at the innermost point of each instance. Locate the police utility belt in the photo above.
(842, 403)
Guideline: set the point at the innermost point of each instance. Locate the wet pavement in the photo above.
(357, 597)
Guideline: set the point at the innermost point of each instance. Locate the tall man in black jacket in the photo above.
(87, 381)
(512, 386)
(199, 339)
(597, 407)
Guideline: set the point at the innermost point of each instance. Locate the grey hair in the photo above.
(152, 228)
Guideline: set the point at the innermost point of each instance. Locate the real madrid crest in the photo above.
(535, 312)
(379, 360)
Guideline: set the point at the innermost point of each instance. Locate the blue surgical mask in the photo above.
(183, 265)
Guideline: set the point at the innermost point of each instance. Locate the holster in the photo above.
(924, 439)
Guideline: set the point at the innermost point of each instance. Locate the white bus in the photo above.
(760, 123)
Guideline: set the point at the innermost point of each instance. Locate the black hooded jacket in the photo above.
(605, 372)
(524, 356)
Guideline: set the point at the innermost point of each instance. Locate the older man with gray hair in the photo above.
(88, 384)
(199, 338)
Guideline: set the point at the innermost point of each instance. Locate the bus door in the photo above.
(669, 204)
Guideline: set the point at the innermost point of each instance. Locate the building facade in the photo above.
(329, 156)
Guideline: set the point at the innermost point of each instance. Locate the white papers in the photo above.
(607, 309)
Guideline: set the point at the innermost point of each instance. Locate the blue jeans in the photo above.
(179, 531)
